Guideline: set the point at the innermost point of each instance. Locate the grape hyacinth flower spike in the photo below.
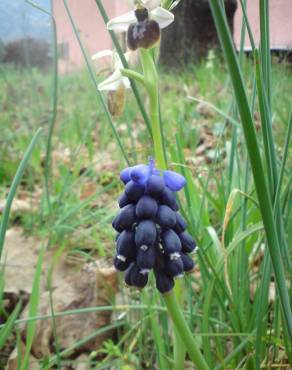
(151, 232)
(143, 24)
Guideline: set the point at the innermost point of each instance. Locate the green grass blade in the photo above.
(33, 309)
(269, 146)
(9, 325)
(265, 46)
(53, 117)
(255, 159)
(284, 160)
(14, 185)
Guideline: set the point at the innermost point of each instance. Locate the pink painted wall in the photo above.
(91, 28)
(280, 23)
(95, 36)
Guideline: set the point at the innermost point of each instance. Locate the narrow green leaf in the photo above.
(33, 309)
(14, 185)
(6, 330)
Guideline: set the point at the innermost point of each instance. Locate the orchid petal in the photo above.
(173, 180)
(126, 82)
(140, 174)
(125, 175)
(112, 82)
(162, 16)
(122, 22)
(102, 54)
(117, 61)
(151, 4)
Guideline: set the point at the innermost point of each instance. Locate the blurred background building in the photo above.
(25, 32)
(280, 24)
(90, 26)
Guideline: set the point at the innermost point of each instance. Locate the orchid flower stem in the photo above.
(182, 328)
(134, 75)
(151, 85)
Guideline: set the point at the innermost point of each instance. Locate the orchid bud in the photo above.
(116, 100)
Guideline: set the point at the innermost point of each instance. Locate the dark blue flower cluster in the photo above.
(151, 232)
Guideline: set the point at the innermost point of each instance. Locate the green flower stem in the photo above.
(178, 346)
(151, 84)
(182, 335)
(133, 75)
(184, 331)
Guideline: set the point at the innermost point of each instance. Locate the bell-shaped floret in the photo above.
(170, 242)
(155, 186)
(126, 245)
(145, 233)
(120, 263)
(123, 200)
(140, 278)
(140, 174)
(146, 257)
(134, 276)
(174, 180)
(167, 197)
(125, 175)
(180, 224)
(128, 274)
(146, 207)
(188, 262)
(165, 217)
(187, 242)
(125, 219)
(174, 267)
(164, 283)
(134, 191)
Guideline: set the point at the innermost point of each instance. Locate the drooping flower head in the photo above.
(142, 24)
(116, 79)
(116, 84)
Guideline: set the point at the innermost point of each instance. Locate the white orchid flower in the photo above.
(116, 79)
(162, 16)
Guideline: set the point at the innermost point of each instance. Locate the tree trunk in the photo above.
(193, 32)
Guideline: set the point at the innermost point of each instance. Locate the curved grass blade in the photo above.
(9, 325)
(14, 185)
(33, 309)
